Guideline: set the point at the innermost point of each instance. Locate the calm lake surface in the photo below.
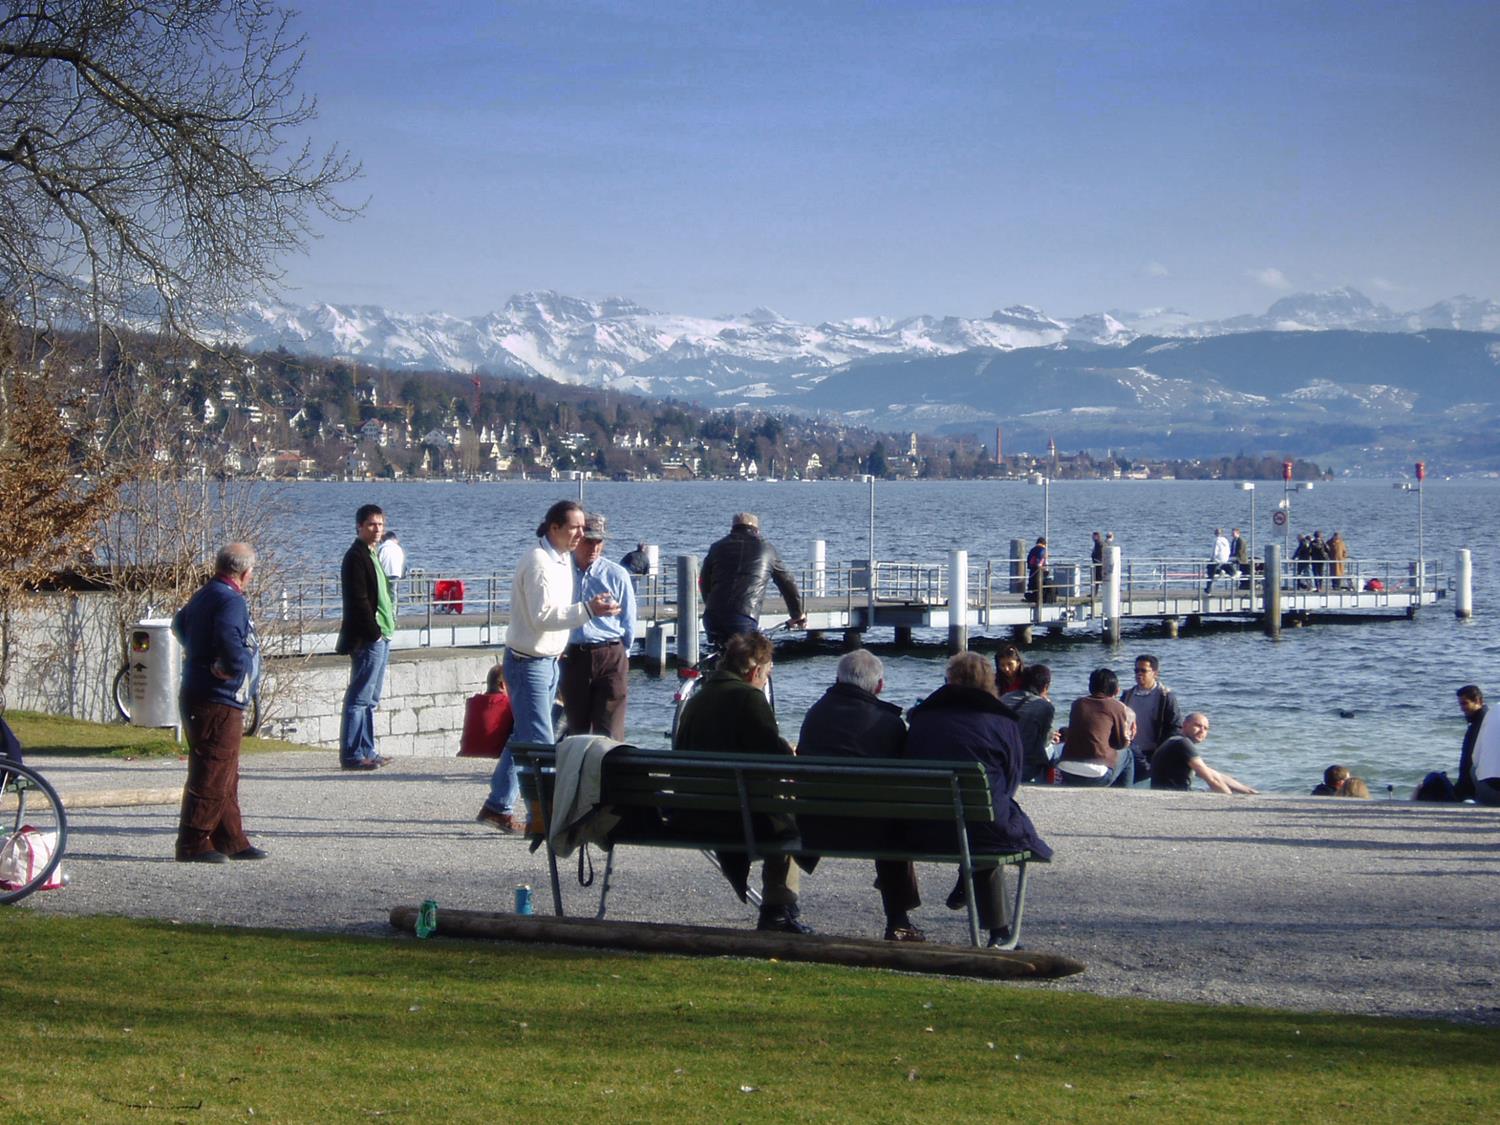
(1377, 697)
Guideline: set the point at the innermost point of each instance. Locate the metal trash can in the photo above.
(155, 661)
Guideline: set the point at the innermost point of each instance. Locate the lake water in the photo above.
(1377, 697)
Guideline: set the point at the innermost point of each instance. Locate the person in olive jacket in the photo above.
(730, 714)
(965, 719)
(850, 721)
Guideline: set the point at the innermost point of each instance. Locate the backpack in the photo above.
(1435, 787)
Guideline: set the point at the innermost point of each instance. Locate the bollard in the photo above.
(1463, 575)
(656, 650)
(958, 601)
(1112, 595)
(653, 558)
(1018, 566)
(687, 611)
(1272, 587)
(819, 568)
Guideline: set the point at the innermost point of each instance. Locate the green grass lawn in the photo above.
(116, 1020)
(52, 734)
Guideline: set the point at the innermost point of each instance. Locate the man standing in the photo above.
(392, 559)
(850, 721)
(1036, 570)
(1035, 713)
(364, 637)
(1239, 558)
(543, 612)
(1220, 560)
(220, 664)
(596, 664)
(1177, 759)
(638, 561)
(1096, 556)
(733, 581)
(1157, 716)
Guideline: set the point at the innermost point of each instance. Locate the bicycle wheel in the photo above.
(33, 831)
(121, 692)
(251, 716)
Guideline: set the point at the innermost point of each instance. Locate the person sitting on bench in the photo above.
(729, 714)
(850, 722)
(965, 719)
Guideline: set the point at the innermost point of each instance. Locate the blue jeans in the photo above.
(357, 727)
(533, 686)
(1121, 777)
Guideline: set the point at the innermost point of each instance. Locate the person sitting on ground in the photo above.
(1479, 761)
(1333, 779)
(1097, 737)
(1157, 714)
(730, 714)
(488, 721)
(1034, 713)
(1008, 668)
(851, 722)
(965, 719)
(1177, 759)
(1355, 787)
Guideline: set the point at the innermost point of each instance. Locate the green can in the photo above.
(427, 919)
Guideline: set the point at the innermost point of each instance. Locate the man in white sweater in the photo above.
(542, 614)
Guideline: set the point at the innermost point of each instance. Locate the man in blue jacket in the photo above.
(220, 664)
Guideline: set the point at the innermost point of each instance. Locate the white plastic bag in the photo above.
(23, 854)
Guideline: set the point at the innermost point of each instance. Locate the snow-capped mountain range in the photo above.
(617, 344)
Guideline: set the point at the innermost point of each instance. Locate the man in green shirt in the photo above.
(365, 637)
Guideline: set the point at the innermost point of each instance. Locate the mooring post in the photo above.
(1018, 566)
(656, 650)
(958, 601)
(819, 568)
(687, 611)
(1112, 595)
(1272, 588)
(1463, 574)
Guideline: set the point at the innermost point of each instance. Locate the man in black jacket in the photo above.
(734, 577)
(364, 637)
(851, 722)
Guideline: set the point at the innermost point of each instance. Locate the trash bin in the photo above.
(155, 661)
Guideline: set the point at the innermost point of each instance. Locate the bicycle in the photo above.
(689, 679)
(251, 714)
(33, 832)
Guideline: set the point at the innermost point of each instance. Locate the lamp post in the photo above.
(1286, 508)
(1249, 486)
(1402, 486)
(870, 617)
(1047, 510)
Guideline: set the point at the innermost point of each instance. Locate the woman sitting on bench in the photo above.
(965, 719)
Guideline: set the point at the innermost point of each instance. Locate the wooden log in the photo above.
(709, 941)
(110, 798)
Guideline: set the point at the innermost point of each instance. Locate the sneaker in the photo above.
(504, 823)
(781, 919)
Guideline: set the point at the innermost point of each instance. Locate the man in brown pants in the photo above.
(220, 665)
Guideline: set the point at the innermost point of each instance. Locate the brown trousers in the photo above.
(593, 687)
(211, 799)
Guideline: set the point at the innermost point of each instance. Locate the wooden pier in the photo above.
(955, 600)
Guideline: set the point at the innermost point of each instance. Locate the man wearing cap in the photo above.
(596, 663)
(734, 577)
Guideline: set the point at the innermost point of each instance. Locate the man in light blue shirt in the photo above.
(596, 665)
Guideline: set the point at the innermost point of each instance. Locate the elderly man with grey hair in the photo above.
(220, 665)
(850, 721)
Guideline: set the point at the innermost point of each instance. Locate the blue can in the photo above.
(523, 899)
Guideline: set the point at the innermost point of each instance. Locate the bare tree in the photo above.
(151, 162)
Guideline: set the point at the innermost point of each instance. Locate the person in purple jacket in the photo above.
(220, 664)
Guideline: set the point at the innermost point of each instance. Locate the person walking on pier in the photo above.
(596, 663)
(220, 661)
(1036, 570)
(1177, 759)
(543, 613)
(1317, 551)
(1239, 559)
(365, 638)
(1338, 555)
(1219, 563)
(733, 581)
(1096, 556)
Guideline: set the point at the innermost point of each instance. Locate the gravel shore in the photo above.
(1310, 904)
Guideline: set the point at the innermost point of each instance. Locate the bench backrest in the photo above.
(877, 788)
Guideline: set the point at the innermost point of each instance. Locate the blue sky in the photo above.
(886, 159)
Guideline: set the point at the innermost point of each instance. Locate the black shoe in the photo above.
(956, 899)
(781, 919)
(907, 932)
(361, 764)
(998, 937)
(204, 857)
(249, 852)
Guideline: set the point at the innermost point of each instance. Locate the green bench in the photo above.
(647, 786)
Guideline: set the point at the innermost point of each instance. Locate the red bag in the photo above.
(487, 725)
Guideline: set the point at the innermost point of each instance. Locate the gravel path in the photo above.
(1375, 907)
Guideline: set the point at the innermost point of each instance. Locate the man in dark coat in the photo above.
(850, 721)
(364, 637)
(734, 577)
(964, 719)
(220, 661)
(729, 714)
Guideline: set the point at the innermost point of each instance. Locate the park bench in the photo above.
(646, 787)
